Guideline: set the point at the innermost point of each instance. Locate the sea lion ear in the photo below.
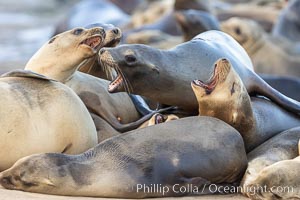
(153, 67)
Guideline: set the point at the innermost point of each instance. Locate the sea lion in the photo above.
(150, 14)
(57, 59)
(288, 23)
(270, 55)
(253, 12)
(41, 115)
(278, 181)
(193, 22)
(165, 75)
(203, 5)
(158, 119)
(156, 155)
(280, 147)
(225, 97)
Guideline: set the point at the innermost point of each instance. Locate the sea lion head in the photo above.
(245, 31)
(224, 95)
(135, 61)
(160, 118)
(193, 22)
(38, 173)
(66, 52)
(113, 34)
(277, 181)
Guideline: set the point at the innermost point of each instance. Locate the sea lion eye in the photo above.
(238, 31)
(130, 58)
(78, 31)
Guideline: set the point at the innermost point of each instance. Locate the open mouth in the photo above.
(116, 83)
(211, 83)
(93, 42)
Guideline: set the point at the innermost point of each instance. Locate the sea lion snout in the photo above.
(7, 181)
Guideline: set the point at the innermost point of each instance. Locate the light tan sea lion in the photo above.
(39, 116)
(190, 152)
(269, 54)
(253, 12)
(225, 97)
(283, 146)
(278, 181)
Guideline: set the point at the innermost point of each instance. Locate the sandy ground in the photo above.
(19, 195)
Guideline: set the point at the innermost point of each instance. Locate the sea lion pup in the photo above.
(288, 23)
(278, 181)
(41, 115)
(225, 97)
(269, 54)
(112, 39)
(193, 22)
(124, 165)
(158, 119)
(280, 147)
(165, 75)
(60, 58)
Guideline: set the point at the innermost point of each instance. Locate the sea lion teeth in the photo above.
(93, 41)
(115, 84)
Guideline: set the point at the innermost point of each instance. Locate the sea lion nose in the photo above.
(6, 181)
(116, 31)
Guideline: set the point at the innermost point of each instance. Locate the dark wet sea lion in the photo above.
(224, 96)
(288, 23)
(155, 155)
(37, 111)
(283, 146)
(194, 22)
(165, 75)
